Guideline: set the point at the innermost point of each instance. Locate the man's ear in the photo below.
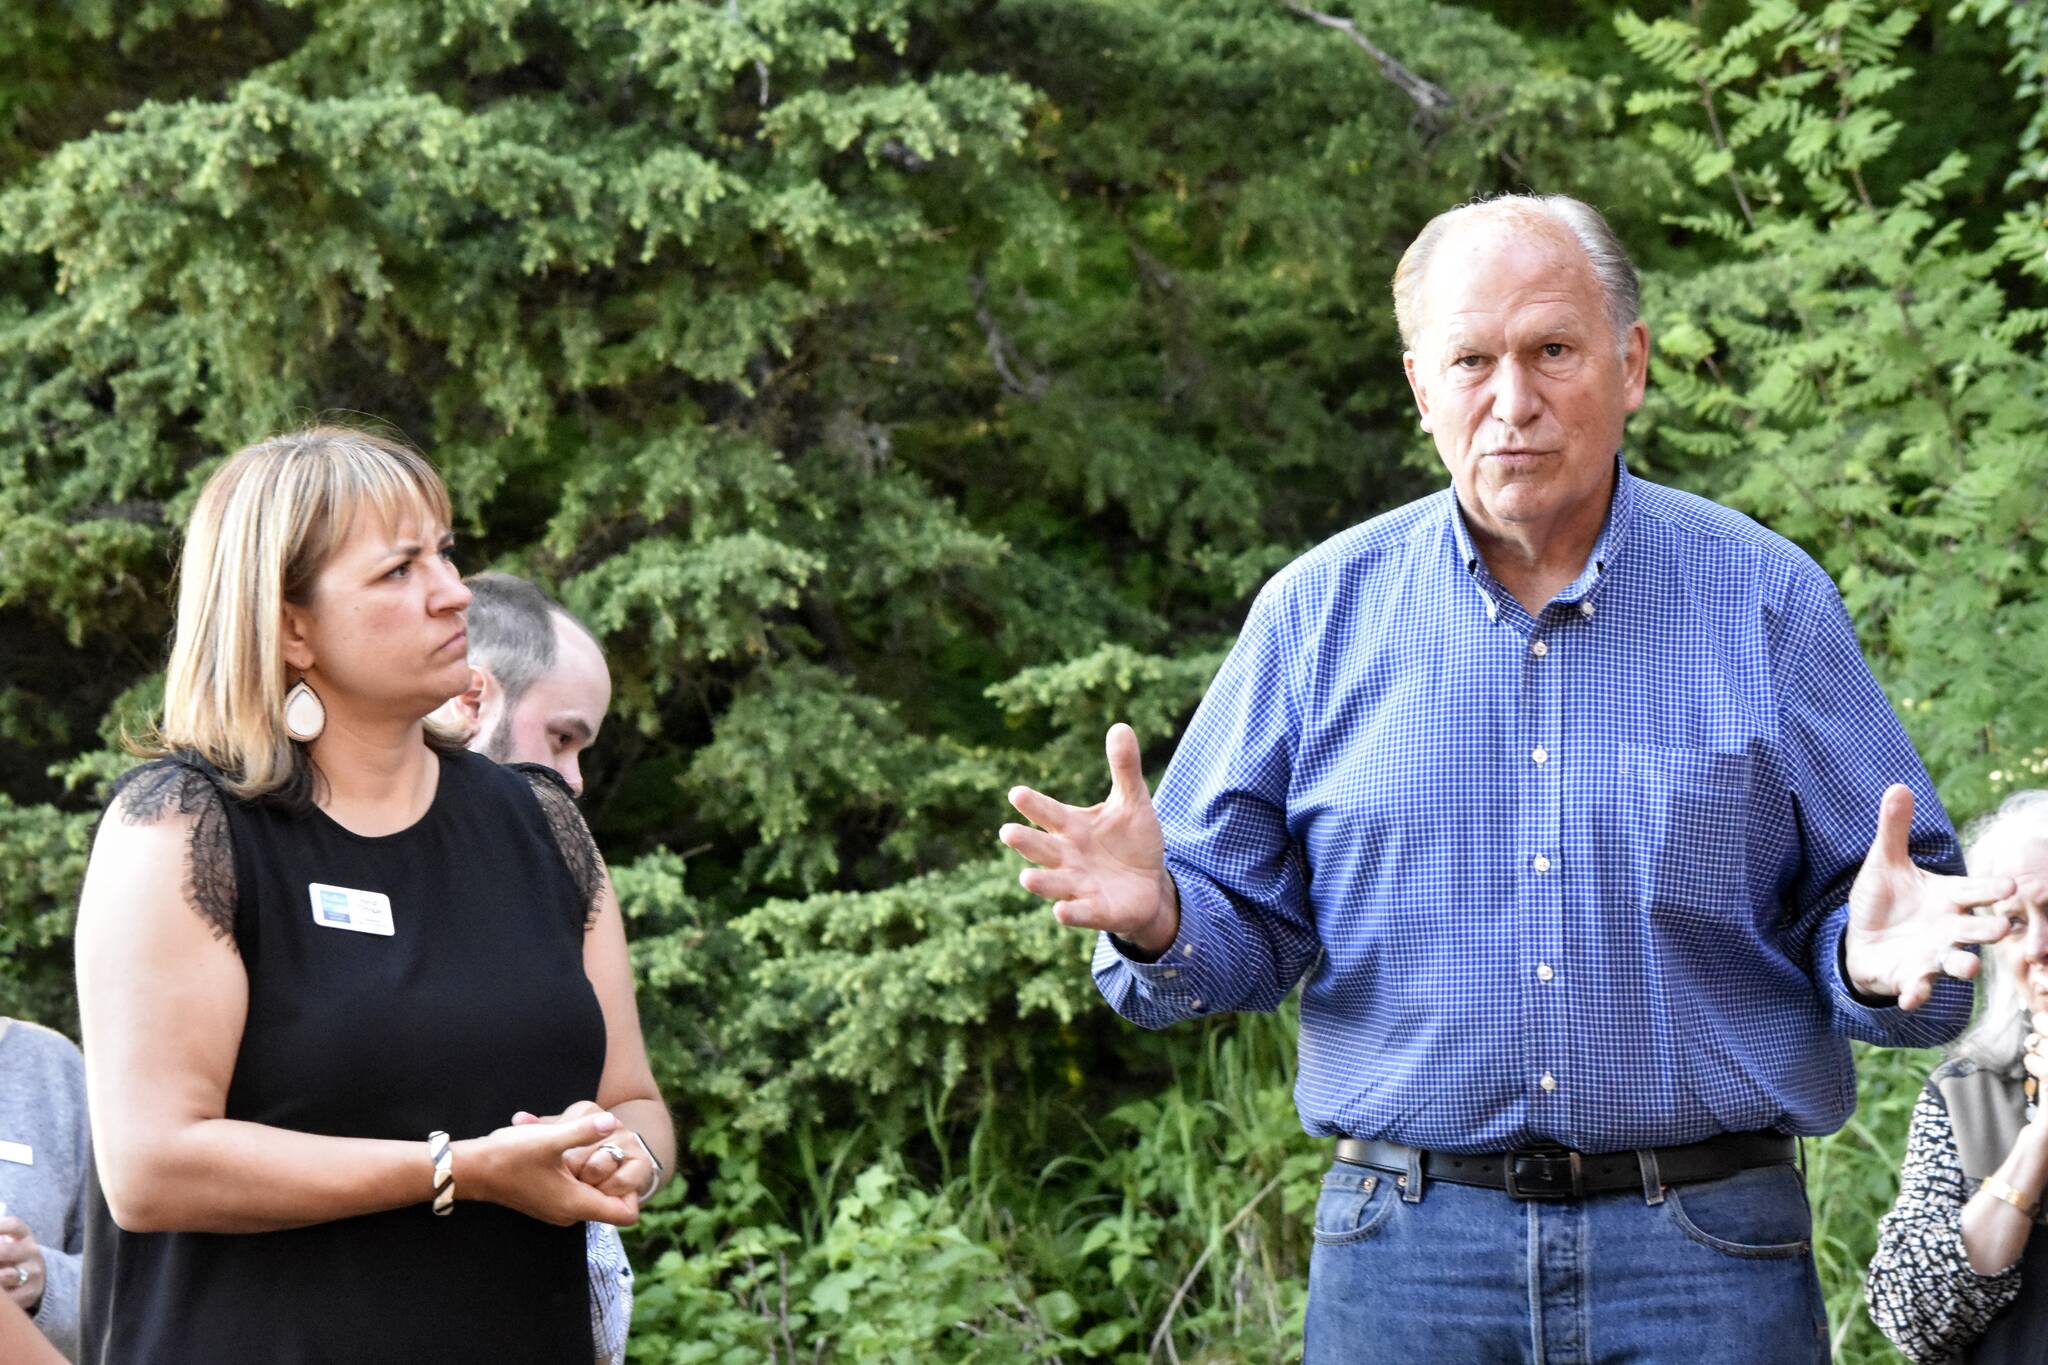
(476, 702)
(1415, 386)
(464, 712)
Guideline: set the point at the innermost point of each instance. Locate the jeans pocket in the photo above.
(1353, 1204)
(1759, 1214)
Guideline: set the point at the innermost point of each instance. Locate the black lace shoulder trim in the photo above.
(168, 788)
(572, 836)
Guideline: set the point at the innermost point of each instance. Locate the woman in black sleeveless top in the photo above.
(308, 942)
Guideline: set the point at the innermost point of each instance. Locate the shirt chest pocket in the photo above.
(1685, 824)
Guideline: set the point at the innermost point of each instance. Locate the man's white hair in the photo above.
(1552, 213)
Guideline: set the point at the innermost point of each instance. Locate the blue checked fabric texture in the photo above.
(611, 1292)
(1576, 878)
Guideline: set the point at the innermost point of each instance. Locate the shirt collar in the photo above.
(1613, 533)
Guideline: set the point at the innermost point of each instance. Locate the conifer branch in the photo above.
(1018, 377)
(1432, 101)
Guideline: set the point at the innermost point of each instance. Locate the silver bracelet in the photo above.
(653, 1160)
(442, 1152)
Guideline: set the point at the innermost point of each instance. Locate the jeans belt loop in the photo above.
(1653, 1183)
(1411, 1184)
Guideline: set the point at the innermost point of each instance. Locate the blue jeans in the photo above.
(1717, 1271)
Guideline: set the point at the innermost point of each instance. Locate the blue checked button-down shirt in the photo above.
(1574, 878)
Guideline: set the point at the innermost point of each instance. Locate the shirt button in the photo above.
(1543, 972)
(1541, 864)
(1549, 1082)
(1170, 973)
(1196, 1004)
(1492, 609)
(1585, 608)
(1187, 950)
(1539, 649)
(1540, 756)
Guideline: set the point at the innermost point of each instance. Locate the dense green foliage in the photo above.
(905, 389)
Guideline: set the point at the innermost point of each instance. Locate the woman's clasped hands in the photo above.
(560, 1168)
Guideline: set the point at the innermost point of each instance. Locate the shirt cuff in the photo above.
(1181, 979)
(1879, 1020)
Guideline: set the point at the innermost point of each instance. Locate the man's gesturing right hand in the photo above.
(1103, 866)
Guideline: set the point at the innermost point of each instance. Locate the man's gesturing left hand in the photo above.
(1906, 923)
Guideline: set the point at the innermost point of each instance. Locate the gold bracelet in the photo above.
(1998, 1189)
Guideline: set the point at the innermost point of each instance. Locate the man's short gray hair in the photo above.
(511, 626)
(1616, 273)
(1998, 1038)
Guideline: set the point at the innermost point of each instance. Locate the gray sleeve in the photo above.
(42, 1090)
(56, 1317)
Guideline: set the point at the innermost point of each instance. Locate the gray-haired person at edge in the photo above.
(43, 1159)
(325, 954)
(1570, 804)
(538, 692)
(1961, 1267)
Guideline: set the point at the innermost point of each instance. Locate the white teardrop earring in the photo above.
(305, 715)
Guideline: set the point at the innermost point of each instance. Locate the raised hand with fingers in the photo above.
(1103, 866)
(1907, 925)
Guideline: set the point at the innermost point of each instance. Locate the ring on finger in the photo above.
(618, 1153)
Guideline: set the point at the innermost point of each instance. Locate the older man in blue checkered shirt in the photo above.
(1556, 794)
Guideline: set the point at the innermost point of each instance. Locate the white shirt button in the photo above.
(1170, 973)
(1539, 649)
(1543, 972)
(1549, 1082)
(1540, 756)
(1585, 608)
(1196, 1003)
(1492, 609)
(1541, 864)
(1187, 950)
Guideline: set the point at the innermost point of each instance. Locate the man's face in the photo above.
(559, 715)
(1518, 377)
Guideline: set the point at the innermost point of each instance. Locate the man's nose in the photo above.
(571, 771)
(1516, 399)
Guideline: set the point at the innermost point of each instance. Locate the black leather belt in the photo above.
(1560, 1173)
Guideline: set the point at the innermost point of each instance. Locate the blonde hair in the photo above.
(265, 525)
(1559, 213)
(1998, 1037)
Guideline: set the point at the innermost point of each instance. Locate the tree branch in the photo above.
(1017, 376)
(1432, 101)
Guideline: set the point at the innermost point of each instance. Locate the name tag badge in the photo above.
(20, 1153)
(341, 907)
